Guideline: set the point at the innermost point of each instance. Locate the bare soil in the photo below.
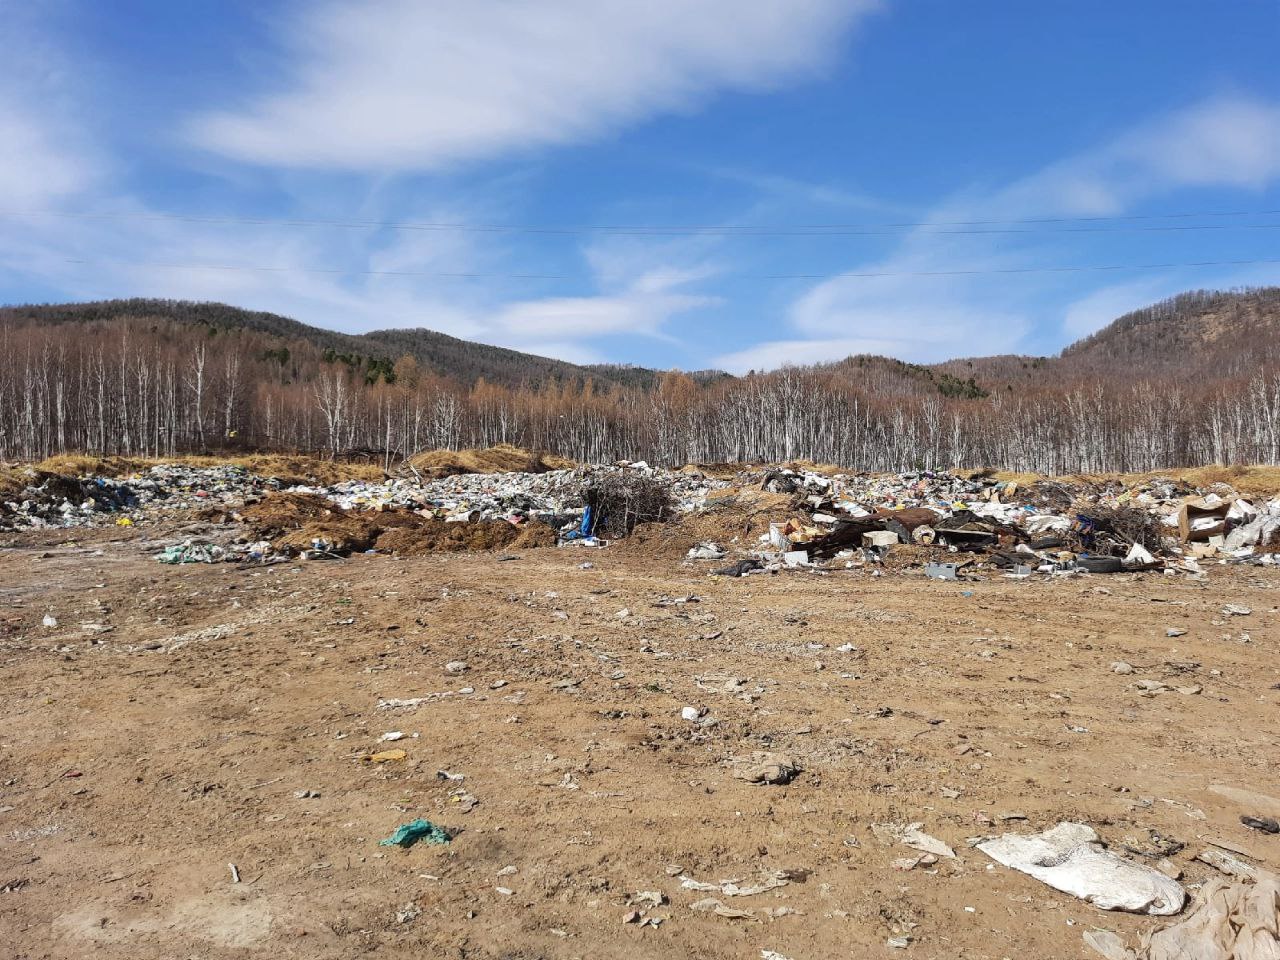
(138, 763)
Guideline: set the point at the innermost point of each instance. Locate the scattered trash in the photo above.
(1264, 824)
(736, 888)
(712, 905)
(1070, 858)
(407, 834)
(408, 913)
(1231, 921)
(706, 551)
(767, 768)
(739, 569)
(651, 898)
(190, 552)
(912, 836)
(1227, 863)
(386, 756)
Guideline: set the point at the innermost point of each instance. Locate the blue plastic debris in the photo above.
(407, 834)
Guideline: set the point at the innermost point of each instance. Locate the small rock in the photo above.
(690, 713)
(1175, 632)
(1119, 666)
(455, 667)
(767, 768)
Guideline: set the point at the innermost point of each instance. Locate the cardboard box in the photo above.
(1199, 519)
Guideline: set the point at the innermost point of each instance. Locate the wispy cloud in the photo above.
(1229, 142)
(400, 85)
(43, 154)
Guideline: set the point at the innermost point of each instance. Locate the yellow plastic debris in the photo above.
(386, 755)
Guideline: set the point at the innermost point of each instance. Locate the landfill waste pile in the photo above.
(954, 525)
(54, 500)
(951, 525)
(402, 514)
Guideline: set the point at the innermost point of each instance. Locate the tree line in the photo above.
(157, 388)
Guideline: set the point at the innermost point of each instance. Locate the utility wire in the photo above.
(1131, 223)
(762, 276)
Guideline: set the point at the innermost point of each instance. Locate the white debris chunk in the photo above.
(1070, 858)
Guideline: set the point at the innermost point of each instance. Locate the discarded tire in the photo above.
(1100, 564)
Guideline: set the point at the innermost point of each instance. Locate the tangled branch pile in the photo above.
(619, 501)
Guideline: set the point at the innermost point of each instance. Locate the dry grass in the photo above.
(503, 458)
(1246, 480)
(288, 468)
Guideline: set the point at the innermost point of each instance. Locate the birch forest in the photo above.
(155, 387)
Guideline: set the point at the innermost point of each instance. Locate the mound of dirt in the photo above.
(344, 532)
(503, 458)
(534, 535)
(279, 513)
(734, 519)
(293, 521)
(439, 536)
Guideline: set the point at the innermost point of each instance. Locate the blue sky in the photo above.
(678, 183)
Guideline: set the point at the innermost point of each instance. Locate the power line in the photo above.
(1121, 224)
(762, 276)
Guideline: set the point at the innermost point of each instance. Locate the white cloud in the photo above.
(1220, 142)
(402, 85)
(1223, 141)
(43, 156)
(637, 293)
(842, 318)
(37, 165)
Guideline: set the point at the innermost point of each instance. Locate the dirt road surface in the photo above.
(174, 720)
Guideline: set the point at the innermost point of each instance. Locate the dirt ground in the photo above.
(165, 727)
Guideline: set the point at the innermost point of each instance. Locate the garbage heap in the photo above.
(56, 500)
(412, 515)
(950, 523)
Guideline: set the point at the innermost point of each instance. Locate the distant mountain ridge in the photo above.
(1194, 332)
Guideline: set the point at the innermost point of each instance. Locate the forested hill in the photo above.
(1209, 333)
(1203, 332)
(459, 360)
